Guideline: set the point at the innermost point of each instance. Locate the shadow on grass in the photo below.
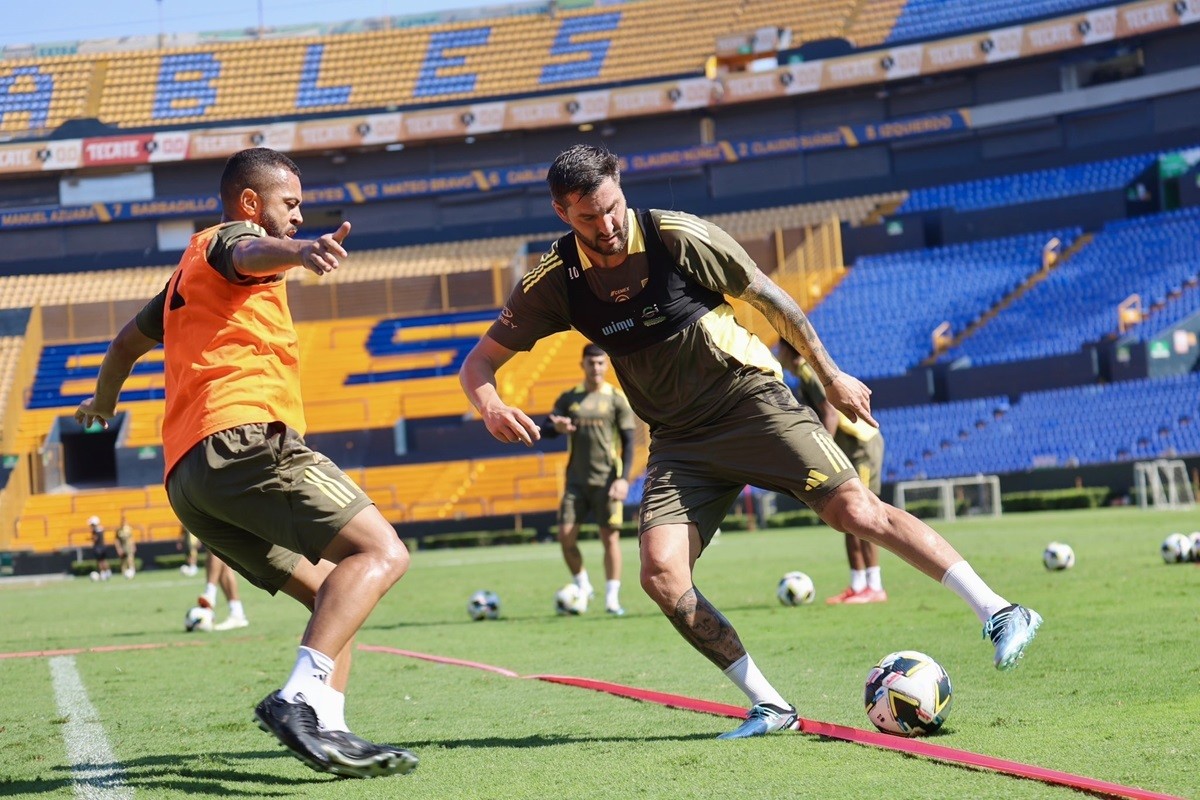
(538, 740)
(230, 775)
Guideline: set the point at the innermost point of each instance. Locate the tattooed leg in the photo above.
(706, 629)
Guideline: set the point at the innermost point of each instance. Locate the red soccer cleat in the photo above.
(867, 596)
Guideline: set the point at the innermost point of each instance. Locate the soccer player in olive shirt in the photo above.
(596, 416)
(649, 288)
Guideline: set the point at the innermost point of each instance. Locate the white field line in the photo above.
(94, 767)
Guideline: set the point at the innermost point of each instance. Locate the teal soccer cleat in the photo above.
(1011, 629)
(762, 719)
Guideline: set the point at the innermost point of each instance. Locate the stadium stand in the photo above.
(1098, 424)
(1026, 187)
(490, 57)
(1078, 301)
(907, 295)
(927, 19)
(382, 338)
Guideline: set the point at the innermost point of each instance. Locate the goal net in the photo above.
(950, 498)
(1163, 483)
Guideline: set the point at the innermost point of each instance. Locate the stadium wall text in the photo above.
(191, 87)
(487, 180)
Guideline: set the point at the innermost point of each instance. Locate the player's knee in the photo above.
(856, 511)
(394, 557)
(656, 582)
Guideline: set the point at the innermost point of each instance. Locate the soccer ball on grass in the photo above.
(795, 588)
(483, 604)
(1058, 556)
(1176, 548)
(570, 601)
(198, 618)
(908, 694)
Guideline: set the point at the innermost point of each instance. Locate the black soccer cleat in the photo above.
(336, 752)
(355, 757)
(295, 726)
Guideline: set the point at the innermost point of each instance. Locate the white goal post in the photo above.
(1163, 483)
(950, 498)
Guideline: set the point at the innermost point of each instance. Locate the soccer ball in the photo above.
(795, 588)
(1195, 537)
(198, 618)
(570, 601)
(1058, 556)
(484, 604)
(908, 693)
(1176, 548)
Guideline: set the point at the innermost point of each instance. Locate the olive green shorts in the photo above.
(580, 501)
(259, 498)
(767, 439)
(867, 458)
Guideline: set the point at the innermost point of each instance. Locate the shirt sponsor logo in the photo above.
(506, 318)
(652, 316)
(617, 327)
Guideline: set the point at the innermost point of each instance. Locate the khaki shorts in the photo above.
(767, 439)
(867, 458)
(580, 501)
(259, 498)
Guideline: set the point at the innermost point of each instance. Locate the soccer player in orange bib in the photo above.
(238, 473)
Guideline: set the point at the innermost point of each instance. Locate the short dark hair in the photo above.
(580, 170)
(248, 169)
(592, 350)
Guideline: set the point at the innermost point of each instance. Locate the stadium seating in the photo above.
(1131, 420)
(1154, 256)
(1027, 187)
(927, 19)
(906, 295)
(508, 54)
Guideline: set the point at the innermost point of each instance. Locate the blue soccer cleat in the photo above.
(1011, 629)
(762, 719)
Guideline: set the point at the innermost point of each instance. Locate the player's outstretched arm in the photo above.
(124, 351)
(478, 379)
(845, 392)
(270, 255)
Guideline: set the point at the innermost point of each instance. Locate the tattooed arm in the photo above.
(844, 391)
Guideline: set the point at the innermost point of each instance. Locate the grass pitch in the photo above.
(1109, 689)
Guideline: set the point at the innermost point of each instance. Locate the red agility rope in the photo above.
(110, 648)
(890, 742)
(827, 729)
(454, 662)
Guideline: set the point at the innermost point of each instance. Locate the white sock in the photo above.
(236, 610)
(581, 580)
(332, 716)
(875, 578)
(210, 593)
(747, 677)
(612, 592)
(858, 580)
(309, 676)
(963, 581)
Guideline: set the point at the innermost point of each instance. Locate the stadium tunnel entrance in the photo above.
(87, 456)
